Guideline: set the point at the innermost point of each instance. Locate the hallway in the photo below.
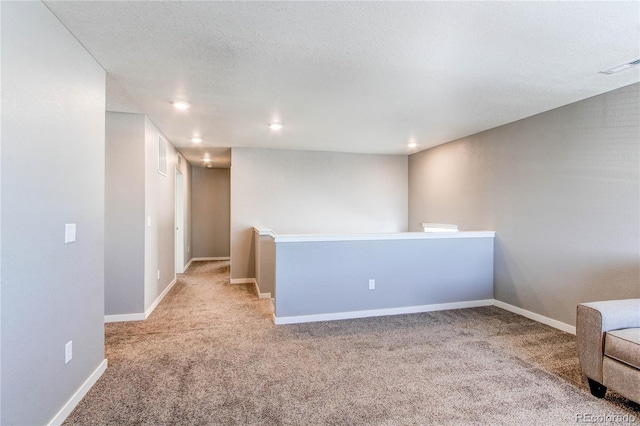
(195, 341)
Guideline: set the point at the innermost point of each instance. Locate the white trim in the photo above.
(297, 238)
(439, 227)
(263, 232)
(159, 299)
(261, 295)
(141, 316)
(243, 281)
(77, 397)
(202, 259)
(381, 312)
(536, 317)
(426, 308)
(124, 317)
(251, 281)
(187, 265)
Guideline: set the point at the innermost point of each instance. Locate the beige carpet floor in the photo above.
(211, 355)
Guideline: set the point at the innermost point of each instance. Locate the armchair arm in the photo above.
(593, 321)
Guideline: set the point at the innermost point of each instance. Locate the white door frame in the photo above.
(179, 222)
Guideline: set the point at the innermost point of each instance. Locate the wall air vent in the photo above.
(621, 67)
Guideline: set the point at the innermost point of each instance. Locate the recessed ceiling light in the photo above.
(621, 67)
(275, 126)
(196, 139)
(412, 144)
(180, 105)
(206, 160)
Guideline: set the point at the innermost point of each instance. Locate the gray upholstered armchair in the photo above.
(608, 335)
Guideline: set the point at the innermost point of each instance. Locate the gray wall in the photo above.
(210, 210)
(312, 192)
(160, 208)
(329, 277)
(159, 236)
(136, 191)
(124, 206)
(53, 145)
(187, 170)
(265, 255)
(561, 190)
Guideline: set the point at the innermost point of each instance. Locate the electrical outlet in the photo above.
(158, 274)
(68, 351)
(372, 284)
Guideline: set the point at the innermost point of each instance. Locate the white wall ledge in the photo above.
(264, 232)
(298, 238)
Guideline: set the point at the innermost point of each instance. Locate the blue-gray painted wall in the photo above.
(328, 277)
(52, 173)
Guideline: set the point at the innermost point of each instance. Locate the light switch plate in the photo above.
(68, 351)
(69, 233)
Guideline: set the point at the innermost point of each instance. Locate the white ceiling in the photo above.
(360, 77)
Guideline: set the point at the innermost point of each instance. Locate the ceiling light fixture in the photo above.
(621, 67)
(275, 126)
(412, 144)
(196, 139)
(207, 160)
(180, 105)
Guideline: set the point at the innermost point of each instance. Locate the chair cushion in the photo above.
(624, 346)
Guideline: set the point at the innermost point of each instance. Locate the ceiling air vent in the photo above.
(621, 67)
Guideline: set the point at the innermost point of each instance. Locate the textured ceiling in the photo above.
(350, 76)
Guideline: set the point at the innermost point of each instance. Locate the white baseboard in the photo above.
(124, 317)
(243, 281)
(187, 265)
(202, 259)
(251, 281)
(426, 308)
(77, 397)
(381, 312)
(536, 317)
(141, 316)
(261, 295)
(159, 298)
